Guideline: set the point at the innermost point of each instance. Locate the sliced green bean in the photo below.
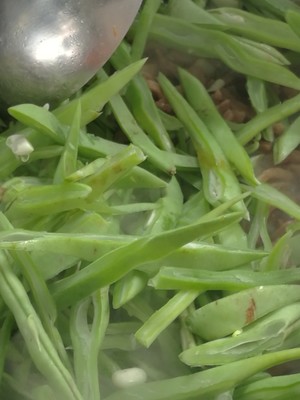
(287, 142)
(278, 7)
(229, 314)
(166, 215)
(293, 18)
(202, 103)
(204, 42)
(43, 301)
(217, 257)
(195, 207)
(256, 89)
(92, 246)
(101, 177)
(163, 317)
(263, 51)
(141, 103)
(45, 199)
(138, 137)
(191, 12)
(37, 342)
(94, 99)
(162, 218)
(234, 236)
(275, 198)
(219, 182)
(87, 340)
(267, 118)
(171, 278)
(117, 263)
(128, 287)
(5, 334)
(267, 334)
(279, 255)
(68, 160)
(256, 27)
(150, 7)
(271, 388)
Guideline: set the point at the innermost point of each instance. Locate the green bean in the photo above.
(263, 51)
(195, 207)
(45, 152)
(92, 246)
(117, 263)
(141, 103)
(95, 146)
(292, 18)
(274, 197)
(287, 142)
(237, 55)
(93, 100)
(166, 215)
(141, 178)
(137, 136)
(233, 236)
(170, 122)
(202, 103)
(240, 309)
(45, 199)
(87, 247)
(149, 9)
(191, 12)
(37, 342)
(205, 384)
(162, 218)
(279, 255)
(256, 89)
(43, 301)
(171, 278)
(260, 215)
(217, 257)
(270, 388)
(87, 341)
(219, 182)
(89, 145)
(5, 334)
(68, 160)
(267, 118)
(101, 178)
(278, 7)
(266, 334)
(163, 317)
(256, 27)
(127, 328)
(126, 288)
(120, 342)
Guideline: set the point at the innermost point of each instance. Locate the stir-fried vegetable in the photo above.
(149, 225)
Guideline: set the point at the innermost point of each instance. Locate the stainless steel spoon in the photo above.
(50, 48)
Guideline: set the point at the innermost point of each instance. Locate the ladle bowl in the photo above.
(50, 48)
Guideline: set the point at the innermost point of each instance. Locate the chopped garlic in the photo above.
(20, 146)
(129, 377)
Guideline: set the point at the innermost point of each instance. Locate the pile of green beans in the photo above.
(137, 258)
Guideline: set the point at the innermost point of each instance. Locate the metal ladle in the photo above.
(50, 48)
